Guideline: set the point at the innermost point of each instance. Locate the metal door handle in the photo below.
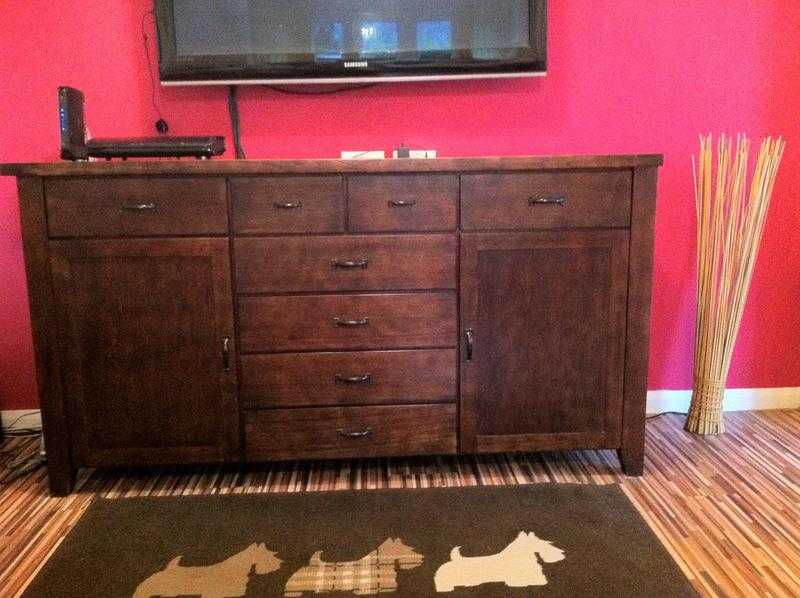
(226, 354)
(470, 336)
(287, 206)
(547, 201)
(349, 264)
(361, 434)
(350, 323)
(342, 379)
(402, 203)
(138, 207)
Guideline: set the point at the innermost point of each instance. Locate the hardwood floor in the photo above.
(727, 508)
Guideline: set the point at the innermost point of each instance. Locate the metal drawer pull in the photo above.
(226, 354)
(470, 334)
(362, 434)
(348, 264)
(341, 379)
(547, 201)
(350, 323)
(287, 206)
(401, 203)
(138, 207)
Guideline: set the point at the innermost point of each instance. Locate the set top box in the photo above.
(75, 144)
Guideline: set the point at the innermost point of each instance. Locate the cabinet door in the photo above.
(149, 374)
(543, 329)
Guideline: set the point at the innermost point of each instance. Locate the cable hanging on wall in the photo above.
(233, 110)
(161, 125)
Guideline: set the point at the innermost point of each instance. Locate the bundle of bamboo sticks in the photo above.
(730, 224)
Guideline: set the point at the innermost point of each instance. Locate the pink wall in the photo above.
(625, 76)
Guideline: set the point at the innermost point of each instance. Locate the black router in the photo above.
(75, 146)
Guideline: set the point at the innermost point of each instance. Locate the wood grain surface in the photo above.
(135, 207)
(346, 263)
(252, 167)
(352, 322)
(340, 432)
(350, 378)
(534, 200)
(410, 202)
(268, 205)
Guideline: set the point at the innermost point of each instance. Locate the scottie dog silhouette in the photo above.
(517, 565)
(227, 579)
(371, 574)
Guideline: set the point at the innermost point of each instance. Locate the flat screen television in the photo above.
(340, 41)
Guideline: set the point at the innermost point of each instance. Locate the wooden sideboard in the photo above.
(209, 311)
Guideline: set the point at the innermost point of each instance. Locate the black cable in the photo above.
(233, 110)
(665, 413)
(11, 432)
(22, 432)
(161, 124)
(320, 92)
(10, 426)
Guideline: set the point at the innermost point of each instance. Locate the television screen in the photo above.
(223, 41)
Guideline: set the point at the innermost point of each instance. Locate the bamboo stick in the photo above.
(730, 225)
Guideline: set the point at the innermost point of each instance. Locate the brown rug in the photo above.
(539, 540)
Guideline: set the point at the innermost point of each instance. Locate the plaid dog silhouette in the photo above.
(373, 573)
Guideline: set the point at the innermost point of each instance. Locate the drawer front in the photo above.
(266, 205)
(292, 264)
(369, 377)
(546, 200)
(356, 322)
(414, 202)
(342, 432)
(136, 206)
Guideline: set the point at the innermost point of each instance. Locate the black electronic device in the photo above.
(76, 146)
(308, 41)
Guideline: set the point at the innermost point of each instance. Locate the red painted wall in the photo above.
(625, 76)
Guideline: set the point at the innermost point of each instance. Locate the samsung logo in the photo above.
(356, 65)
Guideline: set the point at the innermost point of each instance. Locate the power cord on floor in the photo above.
(665, 413)
(22, 432)
(15, 470)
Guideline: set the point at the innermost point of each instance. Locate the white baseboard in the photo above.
(658, 401)
(736, 399)
(34, 420)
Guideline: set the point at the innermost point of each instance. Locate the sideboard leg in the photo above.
(44, 324)
(61, 477)
(637, 342)
(632, 459)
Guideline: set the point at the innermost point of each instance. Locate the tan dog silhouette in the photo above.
(227, 579)
(371, 574)
(517, 565)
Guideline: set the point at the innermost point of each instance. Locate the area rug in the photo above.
(538, 540)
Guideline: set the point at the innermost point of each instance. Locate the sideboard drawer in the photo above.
(356, 322)
(366, 377)
(266, 205)
(136, 206)
(412, 202)
(546, 200)
(342, 432)
(366, 263)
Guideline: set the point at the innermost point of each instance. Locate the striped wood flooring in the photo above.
(727, 508)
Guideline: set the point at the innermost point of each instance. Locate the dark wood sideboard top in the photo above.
(256, 167)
